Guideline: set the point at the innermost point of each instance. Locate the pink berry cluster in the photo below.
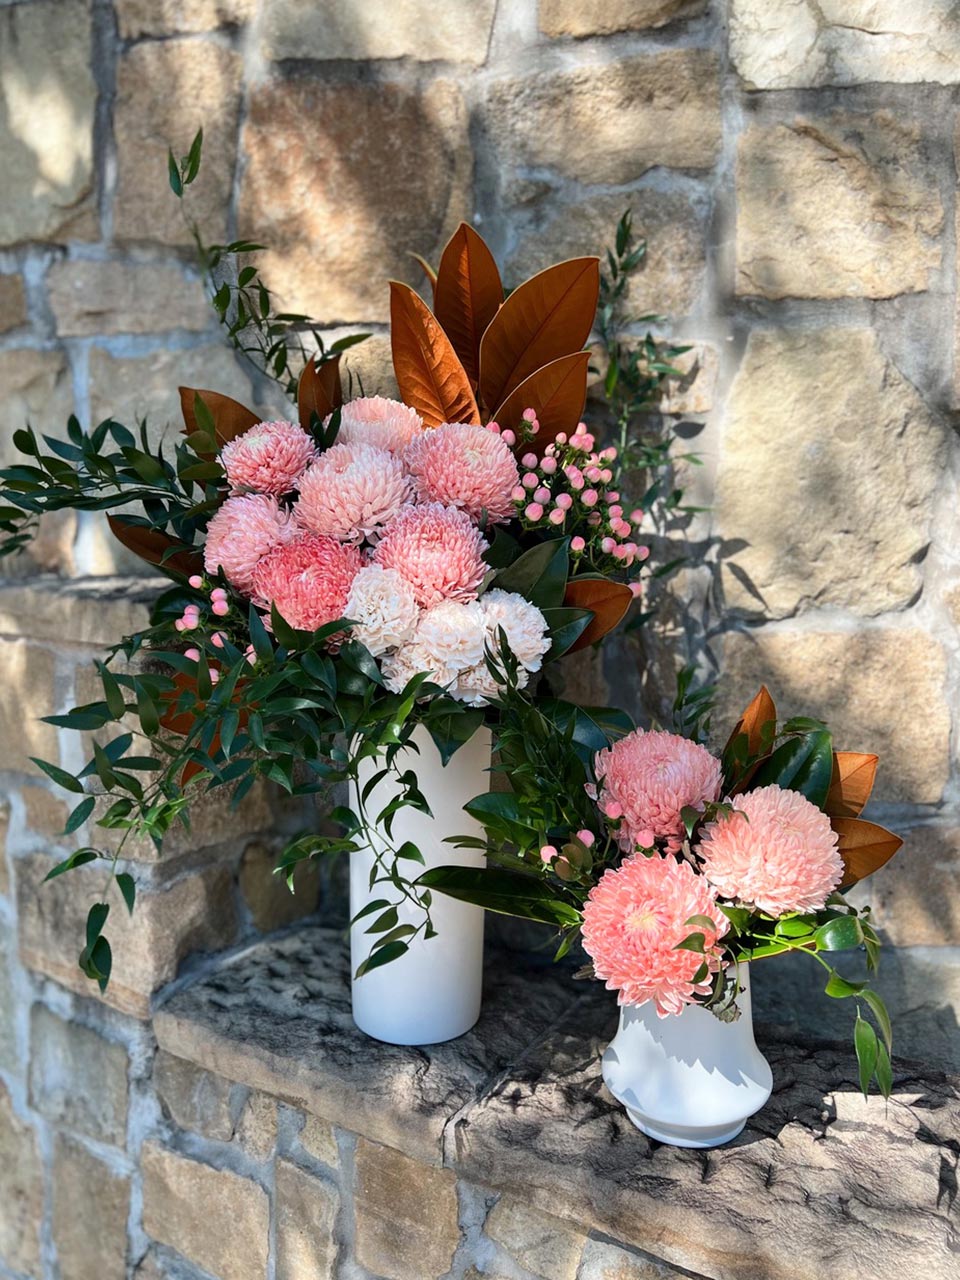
(192, 620)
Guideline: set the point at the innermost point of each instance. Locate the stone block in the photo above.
(338, 230)
(13, 303)
(35, 388)
(46, 129)
(257, 1126)
(695, 390)
(136, 18)
(573, 18)
(406, 1215)
(26, 682)
(605, 1261)
(94, 611)
(836, 206)
(89, 298)
(194, 1099)
(370, 365)
(830, 462)
(164, 90)
(78, 1079)
(612, 122)
(217, 1219)
(9, 1006)
(540, 1243)
(457, 31)
(318, 1139)
(306, 1213)
(90, 1208)
(21, 1191)
(916, 897)
(269, 901)
(4, 833)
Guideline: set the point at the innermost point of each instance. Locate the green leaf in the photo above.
(392, 951)
(884, 1071)
(840, 934)
(866, 1044)
(59, 776)
(259, 637)
(565, 626)
(96, 919)
(147, 711)
(410, 853)
(452, 729)
(112, 691)
(692, 942)
(505, 892)
(803, 764)
(539, 575)
(80, 814)
(79, 858)
(880, 1013)
(378, 904)
(127, 886)
(840, 988)
(173, 172)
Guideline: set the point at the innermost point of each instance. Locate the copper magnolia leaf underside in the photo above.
(557, 392)
(230, 417)
(863, 847)
(762, 710)
(152, 544)
(467, 295)
(429, 374)
(608, 601)
(319, 390)
(851, 784)
(427, 270)
(547, 317)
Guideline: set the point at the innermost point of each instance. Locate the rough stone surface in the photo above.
(4, 832)
(318, 1140)
(837, 206)
(178, 1196)
(194, 1100)
(21, 1191)
(13, 302)
(90, 1206)
(44, 813)
(371, 366)
(610, 123)
(840, 457)
(270, 902)
(782, 44)
(904, 720)
(338, 231)
(457, 31)
(26, 679)
(46, 124)
(573, 18)
(118, 297)
(164, 89)
(35, 388)
(406, 1215)
(604, 1261)
(9, 1052)
(137, 18)
(695, 390)
(78, 1079)
(916, 898)
(257, 1126)
(306, 1211)
(539, 1242)
(99, 610)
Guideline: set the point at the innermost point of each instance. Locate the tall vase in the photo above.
(688, 1079)
(432, 993)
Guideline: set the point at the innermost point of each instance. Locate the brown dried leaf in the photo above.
(429, 374)
(467, 295)
(151, 544)
(558, 392)
(427, 270)
(230, 417)
(319, 390)
(761, 711)
(608, 601)
(853, 776)
(863, 847)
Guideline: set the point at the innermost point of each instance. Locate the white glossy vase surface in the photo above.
(689, 1079)
(433, 992)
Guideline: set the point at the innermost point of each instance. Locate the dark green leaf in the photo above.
(866, 1045)
(392, 951)
(539, 575)
(803, 764)
(505, 892)
(128, 888)
(59, 776)
(80, 814)
(840, 934)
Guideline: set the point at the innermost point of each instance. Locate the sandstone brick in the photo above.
(613, 122)
(829, 464)
(44, 813)
(270, 902)
(9, 1006)
(370, 364)
(46, 130)
(26, 682)
(457, 31)
(605, 1261)
(121, 297)
(695, 390)
(257, 1126)
(78, 1079)
(94, 611)
(4, 832)
(194, 1099)
(319, 1140)
(137, 18)
(856, 213)
(915, 896)
(406, 1215)
(196, 913)
(13, 303)
(164, 91)
(87, 1192)
(21, 1191)
(337, 230)
(178, 1194)
(573, 18)
(35, 388)
(540, 1243)
(846, 679)
(306, 1212)
(782, 44)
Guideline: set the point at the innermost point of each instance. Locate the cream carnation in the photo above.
(375, 420)
(464, 466)
(399, 668)
(521, 622)
(308, 580)
(634, 919)
(452, 635)
(651, 778)
(241, 533)
(351, 491)
(777, 851)
(437, 550)
(381, 603)
(268, 458)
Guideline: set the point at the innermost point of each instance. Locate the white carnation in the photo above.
(382, 604)
(452, 635)
(523, 624)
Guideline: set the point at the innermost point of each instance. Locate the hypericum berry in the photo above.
(548, 466)
(548, 853)
(557, 516)
(192, 654)
(542, 494)
(195, 581)
(534, 511)
(508, 437)
(589, 497)
(564, 501)
(217, 639)
(528, 460)
(577, 544)
(530, 480)
(221, 608)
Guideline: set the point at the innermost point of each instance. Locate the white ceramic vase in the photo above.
(433, 992)
(688, 1079)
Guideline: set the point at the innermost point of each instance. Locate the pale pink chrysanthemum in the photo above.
(241, 533)
(308, 580)
(652, 777)
(269, 458)
(351, 491)
(386, 424)
(634, 918)
(438, 550)
(464, 466)
(778, 851)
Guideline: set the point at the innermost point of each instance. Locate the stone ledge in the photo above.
(96, 611)
(821, 1185)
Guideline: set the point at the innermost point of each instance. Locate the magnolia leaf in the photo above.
(761, 711)
(801, 764)
(467, 295)
(505, 892)
(607, 601)
(427, 270)
(230, 418)
(850, 786)
(864, 847)
(547, 317)
(152, 545)
(429, 373)
(319, 391)
(557, 392)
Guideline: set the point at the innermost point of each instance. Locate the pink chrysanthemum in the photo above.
(778, 852)
(464, 466)
(242, 532)
(308, 580)
(650, 778)
(351, 491)
(269, 458)
(437, 550)
(386, 424)
(632, 922)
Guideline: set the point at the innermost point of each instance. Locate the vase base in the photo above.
(700, 1136)
(414, 1036)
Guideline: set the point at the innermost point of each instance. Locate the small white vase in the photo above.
(433, 992)
(688, 1079)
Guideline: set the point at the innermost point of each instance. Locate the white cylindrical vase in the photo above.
(433, 992)
(689, 1079)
